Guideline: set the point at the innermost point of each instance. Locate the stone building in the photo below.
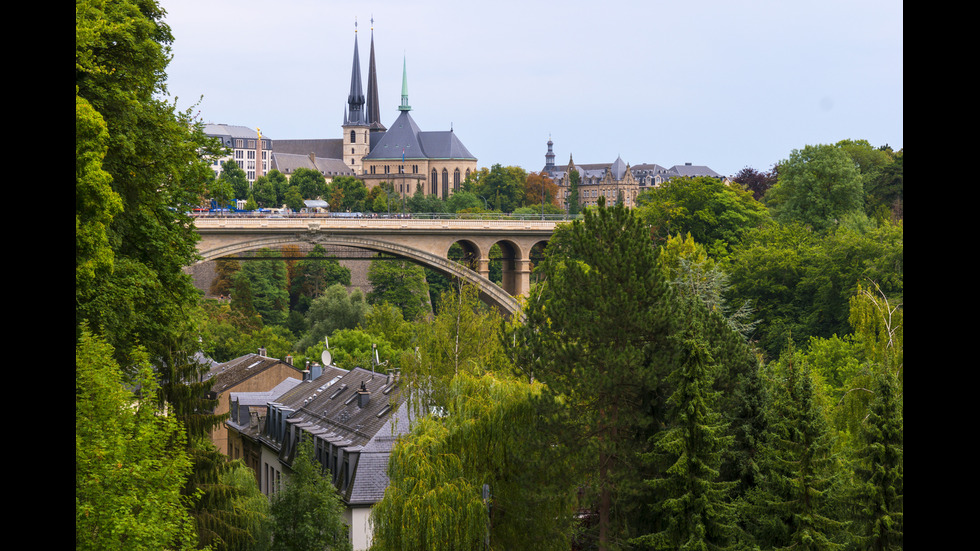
(616, 181)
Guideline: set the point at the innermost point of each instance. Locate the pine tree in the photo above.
(880, 471)
(798, 503)
(598, 327)
(693, 511)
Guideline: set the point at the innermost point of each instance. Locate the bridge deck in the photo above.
(384, 224)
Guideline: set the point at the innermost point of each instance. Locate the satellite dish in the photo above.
(326, 358)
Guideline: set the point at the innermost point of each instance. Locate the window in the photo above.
(456, 180)
(434, 185)
(353, 137)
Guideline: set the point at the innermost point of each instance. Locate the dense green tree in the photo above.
(267, 283)
(308, 512)
(596, 333)
(252, 505)
(264, 192)
(335, 309)
(692, 273)
(438, 473)
(130, 461)
(799, 282)
(880, 470)
(388, 321)
(819, 186)
(230, 511)
(692, 504)
(716, 214)
(281, 183)
(310, 183)
(293, 199)
(502, 186)
(312, 276)
(402, 284)
(573, 193)
(96, 203)
(885, 190)
(462, 337)
(799, 503)
(236, 178)
(464, 201)
(154, 157)
(346, 194)
(421, 202)
(352, 348)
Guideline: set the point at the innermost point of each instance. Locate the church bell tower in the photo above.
(356, 141)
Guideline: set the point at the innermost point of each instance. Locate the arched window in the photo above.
(434, 184)
(456, 180)
(445, 183)
(353, 137)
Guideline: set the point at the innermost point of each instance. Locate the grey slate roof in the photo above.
(230, 130)
(404, 135)
(327, 148)
(287, 163)
(693, 171)
(329, 408)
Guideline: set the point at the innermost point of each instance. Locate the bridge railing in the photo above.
(384, 216)
(205, 222)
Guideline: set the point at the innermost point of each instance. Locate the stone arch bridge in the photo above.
(423, 241)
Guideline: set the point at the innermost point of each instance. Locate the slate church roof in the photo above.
(405, 137)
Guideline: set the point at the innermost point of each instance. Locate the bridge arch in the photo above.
(490, 292)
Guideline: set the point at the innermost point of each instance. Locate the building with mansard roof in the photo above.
(616, 181)
(352, 418)
(249, 149)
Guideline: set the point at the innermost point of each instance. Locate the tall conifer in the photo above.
(798, 505)
(881, 470)
(693, 510)
(598, 329)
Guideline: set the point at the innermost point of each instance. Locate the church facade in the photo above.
(403, 155)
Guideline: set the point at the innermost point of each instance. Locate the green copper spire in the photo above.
(404, 106)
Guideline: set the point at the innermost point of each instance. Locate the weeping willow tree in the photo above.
(476, 476)
(461, 338)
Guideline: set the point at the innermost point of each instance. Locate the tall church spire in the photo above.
(355, 100)
(373, 104)
(404, 106)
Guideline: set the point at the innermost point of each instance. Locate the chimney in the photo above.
(261, 351)
(289, 359)
(363, 396)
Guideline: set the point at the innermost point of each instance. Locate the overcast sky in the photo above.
(722, 83)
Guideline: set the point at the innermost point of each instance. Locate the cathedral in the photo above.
(410, 159)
